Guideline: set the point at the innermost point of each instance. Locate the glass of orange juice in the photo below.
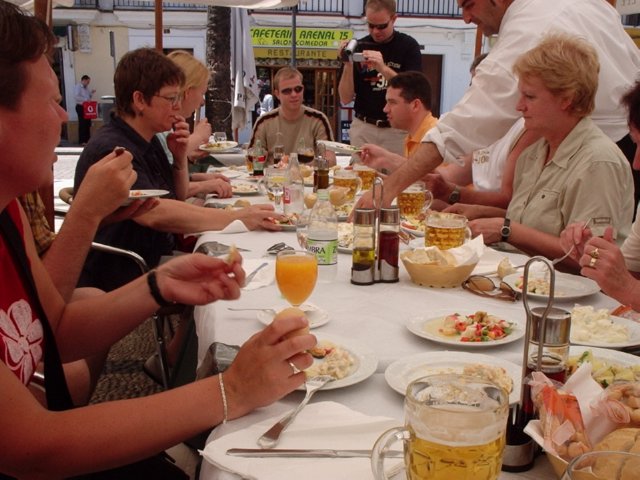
(296, 275)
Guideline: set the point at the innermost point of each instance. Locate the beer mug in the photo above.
(347, 179)
(414, 200)
(455, 427)
(446, 230)
(367, 175)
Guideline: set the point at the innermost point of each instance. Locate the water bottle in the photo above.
(322, 237)
(294, 190)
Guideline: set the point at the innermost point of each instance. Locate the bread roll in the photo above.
(622, 440)
(291, 312)
(242, 203)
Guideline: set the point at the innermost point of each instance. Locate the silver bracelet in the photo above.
(223, 394)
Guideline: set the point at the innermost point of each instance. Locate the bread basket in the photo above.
(435, 275)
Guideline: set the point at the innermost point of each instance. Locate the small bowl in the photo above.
(438, 276)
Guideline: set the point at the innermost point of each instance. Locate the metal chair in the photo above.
(161, 318)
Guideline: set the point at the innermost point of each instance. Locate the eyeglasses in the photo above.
(174, 100)
(287, 91)
(484, 286)
(378, 26)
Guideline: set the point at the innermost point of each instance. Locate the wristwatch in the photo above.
(454, 197)
(505, 231)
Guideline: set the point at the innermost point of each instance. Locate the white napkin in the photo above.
(237, 226)
(264, 277)
(470, 252)
(319, 425)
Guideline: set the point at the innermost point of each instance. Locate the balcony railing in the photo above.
(410, 8)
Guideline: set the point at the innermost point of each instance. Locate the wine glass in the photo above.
(296, 275)
(275, 180)
(219, 137)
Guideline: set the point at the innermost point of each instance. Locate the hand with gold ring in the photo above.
(595, 254)
(592, 262)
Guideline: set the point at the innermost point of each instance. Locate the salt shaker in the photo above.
(389, 244)
(364, 246)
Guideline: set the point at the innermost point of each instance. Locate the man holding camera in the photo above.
(367, 68)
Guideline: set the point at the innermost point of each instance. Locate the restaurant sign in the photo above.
(268, 52)
(305, 37)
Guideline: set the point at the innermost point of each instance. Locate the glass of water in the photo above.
(219, 137)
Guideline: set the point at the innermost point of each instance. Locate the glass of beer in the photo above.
(296, 275)
(414, 200)
(249, 160)
(367, 175)
(446, 230)
(455, 427)
(347, 179)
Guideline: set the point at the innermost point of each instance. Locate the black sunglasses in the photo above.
(378, 26)
(484, 286)
(287, 91)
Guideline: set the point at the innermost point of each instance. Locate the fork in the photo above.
(272, 436)
(555, 261)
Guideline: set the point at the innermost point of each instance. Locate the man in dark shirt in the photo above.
(385, 53)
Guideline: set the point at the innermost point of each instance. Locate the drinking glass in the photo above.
(603, 465)
(296, 275)
(219, 137)
(348, 179)
(455, 427)
(367, 175)
(446, 230)
(414, 200)
(274, 181)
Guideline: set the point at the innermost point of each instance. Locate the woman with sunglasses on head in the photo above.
(574, 172)
(616, 270)
(385, 53)
(57, 441)
(149, 90)
(291, 119)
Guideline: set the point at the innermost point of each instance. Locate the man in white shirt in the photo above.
(487, 110)
(82, 94)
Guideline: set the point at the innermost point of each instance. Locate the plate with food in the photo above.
(347, 360)
(143, 194)
(472, 330)
(608, 365)
(343, 211)
(567, 286)
(244, 189)
(345, 237)
(316, 316)
(413, 226)
(598, 328)
(218, 147)
(502, 372)
(340, 147)
(288, 223)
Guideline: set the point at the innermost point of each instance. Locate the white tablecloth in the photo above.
(374, 315)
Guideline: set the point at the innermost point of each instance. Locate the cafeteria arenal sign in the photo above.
(305, 37)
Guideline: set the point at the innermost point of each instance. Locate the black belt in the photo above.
(373, 121)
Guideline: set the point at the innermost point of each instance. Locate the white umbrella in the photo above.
(244, 82)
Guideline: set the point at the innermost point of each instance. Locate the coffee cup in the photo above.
(455, 427)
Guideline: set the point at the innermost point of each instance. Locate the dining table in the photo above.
(375, 319)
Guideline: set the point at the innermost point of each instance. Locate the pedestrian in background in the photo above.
(82, 94)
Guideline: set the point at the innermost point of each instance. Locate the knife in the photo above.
(306, 453)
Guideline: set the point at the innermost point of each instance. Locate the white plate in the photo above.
(142, 194)
(634, 335)
(609, 355)
(227, 172)
(251, 189)
(414, 231)
(365, 362)
(405, 370)
(218, 147)
(567, 287)
(340, 147)
(428, 328)
(317, 317)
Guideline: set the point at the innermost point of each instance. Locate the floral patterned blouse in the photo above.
(21, 334)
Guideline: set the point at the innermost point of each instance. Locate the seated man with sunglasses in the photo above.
(292, 119)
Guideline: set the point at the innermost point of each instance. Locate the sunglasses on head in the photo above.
(484, 287)
(287, 91)
(378, 26)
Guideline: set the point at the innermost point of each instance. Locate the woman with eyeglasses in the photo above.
(149, 93)
(616, 270)
(292, 119)
(385, 53)
(574, 172)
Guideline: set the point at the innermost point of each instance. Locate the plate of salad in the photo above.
(469, 330)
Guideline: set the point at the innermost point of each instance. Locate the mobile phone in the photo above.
(358, 57)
